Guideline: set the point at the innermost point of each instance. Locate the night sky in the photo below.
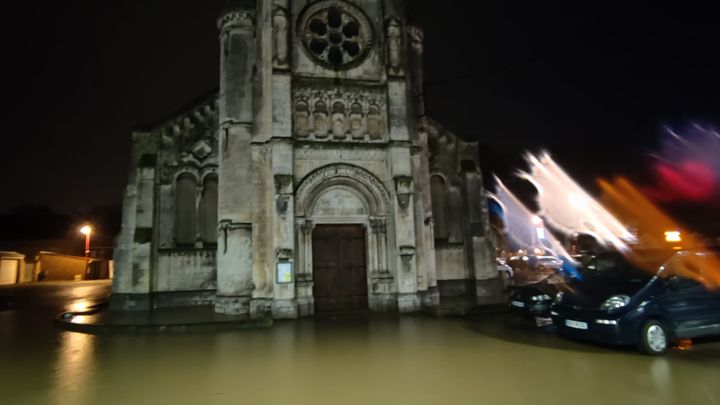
(593, 83)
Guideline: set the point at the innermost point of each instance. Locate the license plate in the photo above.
(575, 324)
(518, 304)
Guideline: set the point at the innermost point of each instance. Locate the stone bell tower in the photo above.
(324, 171)
(239, 50)
(309, 87)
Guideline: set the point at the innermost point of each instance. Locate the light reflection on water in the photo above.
(413, 360)
(74, 365)
(661, 374)
(80, 306)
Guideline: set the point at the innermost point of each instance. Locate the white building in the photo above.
(311, 181)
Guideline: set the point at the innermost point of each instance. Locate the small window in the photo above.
(438, 195)
(209, 210)
(186, 209)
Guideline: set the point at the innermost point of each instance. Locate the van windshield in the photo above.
(616, 266)
(689, 265)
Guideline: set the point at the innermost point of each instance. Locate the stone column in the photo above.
(379, 226)
(372, 249)
(404, 213)
(304, 279)
(425, 235)
(198, 198)
(307, 230)
(382, 281)
(235, 181)
(284, 303)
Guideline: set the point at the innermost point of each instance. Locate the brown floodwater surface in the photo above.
(359, 360)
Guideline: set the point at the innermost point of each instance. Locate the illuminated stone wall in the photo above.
(319, 119)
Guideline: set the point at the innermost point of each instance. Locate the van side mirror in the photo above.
(674, 282)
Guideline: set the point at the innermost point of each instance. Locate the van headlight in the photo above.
(615, 302)
(558, 297)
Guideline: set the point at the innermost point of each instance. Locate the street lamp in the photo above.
(673, 236)
(86, 230)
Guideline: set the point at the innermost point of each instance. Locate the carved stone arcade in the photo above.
(336, 115)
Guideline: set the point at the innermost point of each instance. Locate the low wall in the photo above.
(56, 267)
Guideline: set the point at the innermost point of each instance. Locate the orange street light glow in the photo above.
(626, 201)
(672, 236)
(86, 230)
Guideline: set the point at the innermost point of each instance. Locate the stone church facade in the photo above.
(310, 181)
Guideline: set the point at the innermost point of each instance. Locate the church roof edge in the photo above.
(149, 126)
(233, 5)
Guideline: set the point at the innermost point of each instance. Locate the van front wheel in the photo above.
(654, 339)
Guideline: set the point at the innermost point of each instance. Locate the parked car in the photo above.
(529, 269)
(618, 302)
(535, 284)
(533, 299)
(504, 271)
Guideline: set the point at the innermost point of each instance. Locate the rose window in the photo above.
(336, 34)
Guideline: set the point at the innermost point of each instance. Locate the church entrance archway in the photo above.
(339, 268)
(343, 222)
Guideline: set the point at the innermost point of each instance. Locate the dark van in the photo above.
(617, 302)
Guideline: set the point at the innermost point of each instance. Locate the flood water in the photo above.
(383, 360)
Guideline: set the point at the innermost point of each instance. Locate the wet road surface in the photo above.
(384, 360)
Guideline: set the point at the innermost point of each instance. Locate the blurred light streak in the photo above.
(688, 166)
(626, 201)
(567, 207)
(526, 231)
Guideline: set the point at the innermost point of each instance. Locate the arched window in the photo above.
(438, 194)
(186, 209)
(454, 215)
(209, 209)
